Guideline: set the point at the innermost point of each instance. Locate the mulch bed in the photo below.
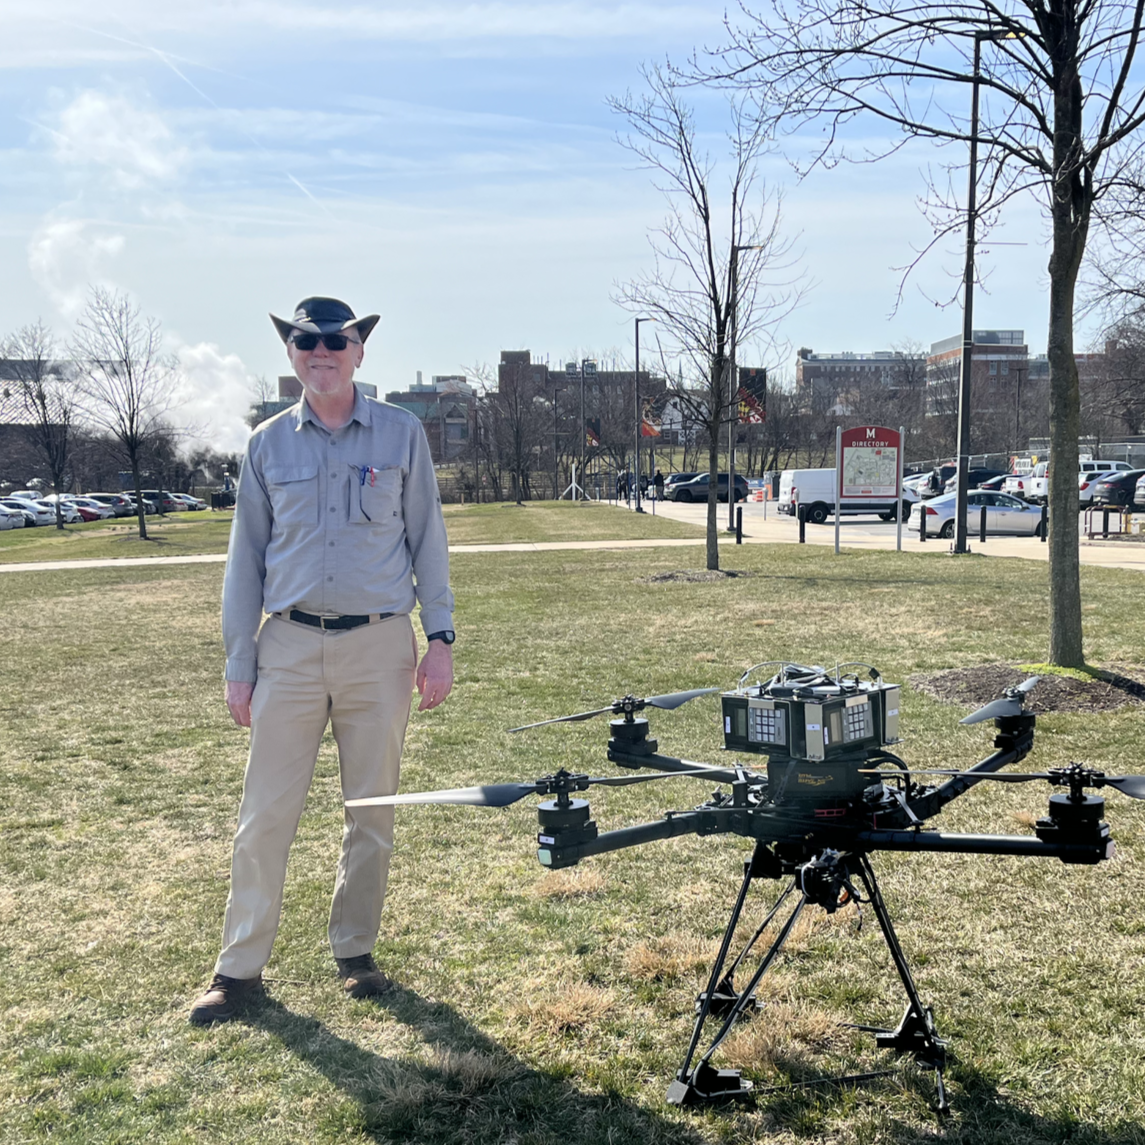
(1121, 684)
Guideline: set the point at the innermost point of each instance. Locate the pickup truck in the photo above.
(1035, 485)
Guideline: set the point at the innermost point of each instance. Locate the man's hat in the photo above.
(324, 316)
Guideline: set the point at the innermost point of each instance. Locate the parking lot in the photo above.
(870, 532)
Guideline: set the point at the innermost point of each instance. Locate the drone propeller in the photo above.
(503, 794)
(1131, 785)
(627, 706)
(1009, 704)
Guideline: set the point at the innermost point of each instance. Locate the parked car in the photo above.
(163, 500)
(994, 484)
(11, 518)
(678, 479)
(34, 512)
(936, 479)
(1085, 485)
(974, 478)
(1116, 488)
(120, 504)
(68, 512)
(697, 489)
(148, 506)
(189, 502)
(102, 511)
(1004, 514)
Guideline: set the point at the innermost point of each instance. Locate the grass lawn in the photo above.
(538, 1007)
(175, 535)
(186, 534)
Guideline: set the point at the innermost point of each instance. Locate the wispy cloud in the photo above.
(111, 135)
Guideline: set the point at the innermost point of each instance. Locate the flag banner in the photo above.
(592, 431)
(649, 421)
(751, 398)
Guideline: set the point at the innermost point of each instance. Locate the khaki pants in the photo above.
(360, 681)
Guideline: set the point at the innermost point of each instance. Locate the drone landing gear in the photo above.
(821, 882)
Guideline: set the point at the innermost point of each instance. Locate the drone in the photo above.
(826, 795)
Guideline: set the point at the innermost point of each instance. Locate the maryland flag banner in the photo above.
(649, 422)
(751, 399)
(592, 431)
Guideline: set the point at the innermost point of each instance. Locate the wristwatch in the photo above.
(446, 635)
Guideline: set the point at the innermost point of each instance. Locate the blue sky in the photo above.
(452, 166)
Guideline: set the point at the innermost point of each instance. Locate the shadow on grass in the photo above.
(468, 1090)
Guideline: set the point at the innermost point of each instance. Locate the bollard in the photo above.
(1045, 522)
(982, 526)
(739, 524)
(802, 525)
(921, 521)
(1105, 521)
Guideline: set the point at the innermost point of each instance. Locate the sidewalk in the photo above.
(854, 533)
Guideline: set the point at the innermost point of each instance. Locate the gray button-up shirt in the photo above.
(335, 523)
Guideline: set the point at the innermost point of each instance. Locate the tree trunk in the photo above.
(713, 548)
(139, 498)
(1070, 210)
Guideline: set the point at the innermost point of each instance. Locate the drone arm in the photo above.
(1014, 740)
(953, 844)
(670, 763)
(554, 855)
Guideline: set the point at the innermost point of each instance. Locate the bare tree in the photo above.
(45, 399)
(1062, 104)
(125, 379)
(709, 272)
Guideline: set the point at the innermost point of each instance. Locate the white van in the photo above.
(815, 488)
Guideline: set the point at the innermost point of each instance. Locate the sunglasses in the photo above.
(332, 342)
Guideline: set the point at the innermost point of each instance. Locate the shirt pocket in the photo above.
(379, 503)
(293, 491)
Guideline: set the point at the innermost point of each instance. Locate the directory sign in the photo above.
(869, 463)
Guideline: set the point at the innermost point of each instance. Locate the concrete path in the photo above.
(869, 533)
(855, 533)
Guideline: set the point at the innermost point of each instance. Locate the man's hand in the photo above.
(434, 675)
(238, 696)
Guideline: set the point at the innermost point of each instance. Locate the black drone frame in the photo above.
(820, 848)
(821, 855)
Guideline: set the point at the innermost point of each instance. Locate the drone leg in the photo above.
(915, 1034)
(704, 1083)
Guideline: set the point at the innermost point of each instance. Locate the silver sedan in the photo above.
(1004, 514)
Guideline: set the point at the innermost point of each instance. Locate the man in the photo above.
(337, 534)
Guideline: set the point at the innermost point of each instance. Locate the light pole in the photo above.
(964, 378)
(733, 386)
(635, 475)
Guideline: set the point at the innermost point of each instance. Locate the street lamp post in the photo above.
(634, 476)
(964, 379)
(733, 386)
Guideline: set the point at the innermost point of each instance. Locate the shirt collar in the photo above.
(361, 413)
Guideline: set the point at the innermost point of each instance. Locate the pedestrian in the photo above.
(337, 534)
(621, 485)
(658, 481)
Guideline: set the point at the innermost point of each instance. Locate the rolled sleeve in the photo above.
(246, 571)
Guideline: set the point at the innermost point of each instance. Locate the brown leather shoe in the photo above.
(224, 998)
(361, 977)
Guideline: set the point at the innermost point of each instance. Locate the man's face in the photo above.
(324, 371)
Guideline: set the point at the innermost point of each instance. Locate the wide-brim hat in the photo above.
(324, 316)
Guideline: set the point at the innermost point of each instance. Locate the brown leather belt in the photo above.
(334, 623)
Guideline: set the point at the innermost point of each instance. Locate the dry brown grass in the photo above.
(564, 1007)
(782, 1030)
(668, 958)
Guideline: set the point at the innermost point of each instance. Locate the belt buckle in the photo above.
(322, 623)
